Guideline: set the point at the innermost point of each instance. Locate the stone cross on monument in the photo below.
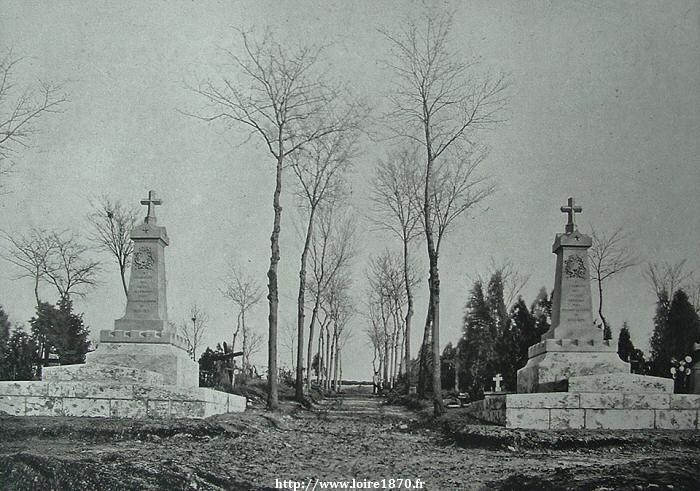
(498, 379)
(151, 202)
(570, 209)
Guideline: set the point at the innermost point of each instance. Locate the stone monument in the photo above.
(143, 338)
(141, 368)
(573, 345)
(574, 378)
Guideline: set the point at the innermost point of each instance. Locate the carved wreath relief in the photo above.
(575, 267)
(143, 259)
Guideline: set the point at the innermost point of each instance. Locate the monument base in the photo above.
(553, 362)
(612, 401)
(169, 360)
(121, 380)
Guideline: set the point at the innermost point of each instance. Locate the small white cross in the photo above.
(498, 380)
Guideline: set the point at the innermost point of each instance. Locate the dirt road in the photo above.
(353, 437)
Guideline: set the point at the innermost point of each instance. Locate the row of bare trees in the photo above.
(387, 328)
(332, 249)
(305, 121)
(439, 104)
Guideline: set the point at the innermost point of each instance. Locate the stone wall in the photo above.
(121, 401)
(604, 410)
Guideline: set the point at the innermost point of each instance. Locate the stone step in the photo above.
(621, 382)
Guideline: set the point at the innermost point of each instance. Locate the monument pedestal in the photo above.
(172, 362)
(552, 362)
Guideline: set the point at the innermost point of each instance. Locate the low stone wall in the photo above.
(491, 409)
(118, 400)
(590, 410)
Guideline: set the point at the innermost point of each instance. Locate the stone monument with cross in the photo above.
(573, 377)
(141, 368)
(143, 337)
(573, 345)
(146, 305)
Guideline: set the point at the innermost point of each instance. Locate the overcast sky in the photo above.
(604, 106)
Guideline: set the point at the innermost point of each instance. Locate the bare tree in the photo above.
(666, 278)
(193, 329)
(375, 332)
(29, 253)
(341, 310)
(245, 292)
(320, 168)
(113, 222)
(21, 108)
(439, 103)
(387, 296)
(278, 95)
(331, 250)
(513, 279)
(393, 193)
(253, 346)
(289, 341)
(68, 266)
(608, 256)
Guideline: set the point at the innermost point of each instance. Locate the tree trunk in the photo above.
(299, 385)
(434, 278)
(244, 360)
(387, 359)
(600, 306)
(273, 292)
(424, 351)
(328, 361)
(409, 316)
(37, 275)
(457, 368)
(320, 356)
(340, 371)
(336, 350)
(438, 406)
(122, 272)
(309, 359)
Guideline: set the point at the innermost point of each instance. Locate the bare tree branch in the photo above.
(112, 223)
(193, 329)
(20, 111)
(68, 266)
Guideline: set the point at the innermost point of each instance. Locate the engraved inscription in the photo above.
(575, 267)
(576, 304)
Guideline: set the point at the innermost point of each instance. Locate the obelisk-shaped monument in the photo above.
(573, 345)
(142, 338)
(146, 305)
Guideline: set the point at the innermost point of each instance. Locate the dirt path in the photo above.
(348, 437)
